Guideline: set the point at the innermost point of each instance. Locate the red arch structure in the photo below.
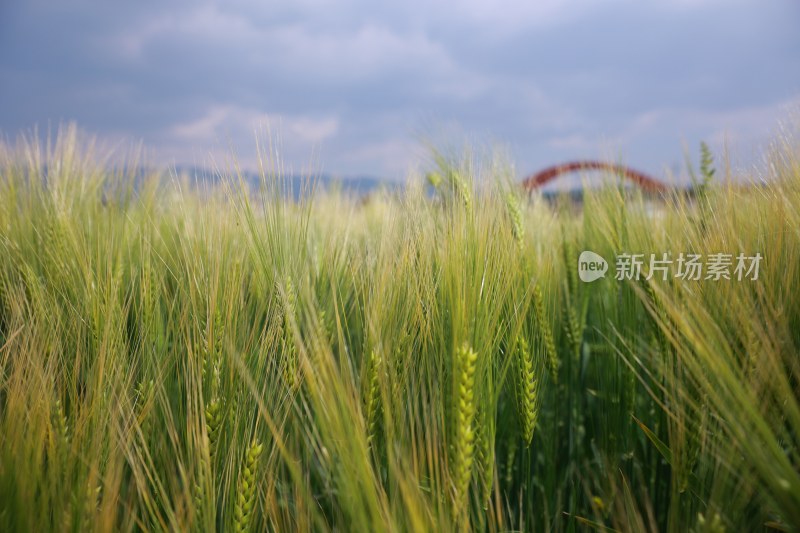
(644, 181)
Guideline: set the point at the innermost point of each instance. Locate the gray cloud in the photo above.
(356, 83)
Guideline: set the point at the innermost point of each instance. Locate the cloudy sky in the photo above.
(353, 87)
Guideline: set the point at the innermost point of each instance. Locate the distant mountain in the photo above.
(357, 185)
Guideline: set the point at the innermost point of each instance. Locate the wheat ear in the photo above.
(466, 359)
(527, 389)
(246, 495)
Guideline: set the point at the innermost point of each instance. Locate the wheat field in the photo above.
(178, 357)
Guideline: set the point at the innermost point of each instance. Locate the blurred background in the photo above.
(356, 88)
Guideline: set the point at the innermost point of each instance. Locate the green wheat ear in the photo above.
(462, 188)
(465, 418)
(434, 179)
(707, 169)
(245, 496)
(288, 349)
(214, 418)
(212, 372)
(514, 207)
(571, 267)
(218, 335)
(60, 425)
(545, 332)
(201, 477)
(142, 397)
(212, 355)
(713, 524)
(372, 396)
(90, 504)
(573, 330)
(213, 426)
(527, 390)
(484, 453)
(511, 456)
